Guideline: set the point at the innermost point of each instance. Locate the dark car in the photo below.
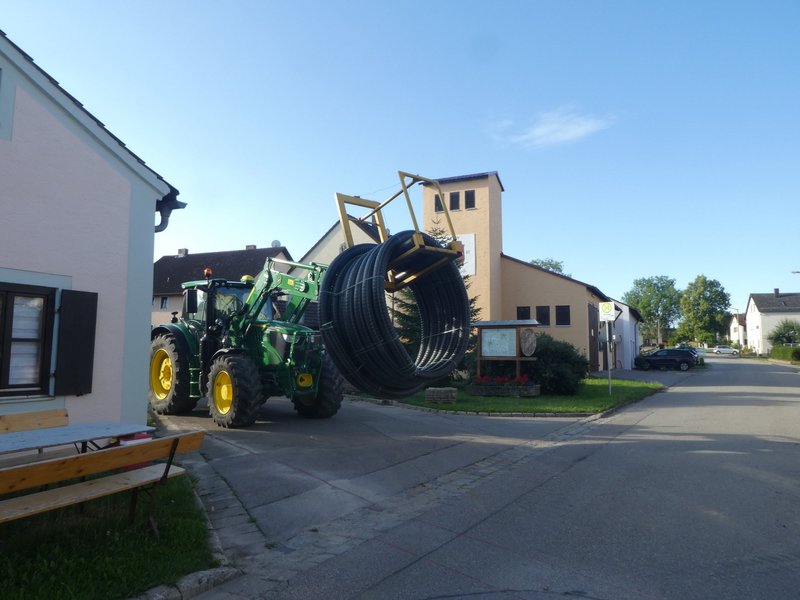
(675, 358)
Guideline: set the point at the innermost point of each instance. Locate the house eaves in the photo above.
(91, 124)
(592, 289)
(368, 228)
(459, 178)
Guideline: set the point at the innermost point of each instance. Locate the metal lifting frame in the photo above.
(421, 258)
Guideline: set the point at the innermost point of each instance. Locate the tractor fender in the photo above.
(186, 343)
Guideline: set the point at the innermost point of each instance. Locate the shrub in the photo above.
(790, 353)
(559, 368)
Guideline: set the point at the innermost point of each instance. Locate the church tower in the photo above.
(475, 205)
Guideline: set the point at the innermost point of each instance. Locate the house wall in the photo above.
(485, 223)
(760, 325)
(524, 285)
(82, 219)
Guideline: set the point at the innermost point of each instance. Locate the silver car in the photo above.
(724, 350)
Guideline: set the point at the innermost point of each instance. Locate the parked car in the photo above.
(668, 358)
(724, 350)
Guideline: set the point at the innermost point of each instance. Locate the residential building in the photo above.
(764, 312)
(75, 254)
(737, 329)
(169, 272)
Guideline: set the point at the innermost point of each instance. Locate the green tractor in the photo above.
(232, 345)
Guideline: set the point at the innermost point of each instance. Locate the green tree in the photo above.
(550, 264)
(703, 305)
(787, 331)
(658, 301)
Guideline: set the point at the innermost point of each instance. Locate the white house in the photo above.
(737, 329)
(627, 336)
(77, 209)
(764, 312)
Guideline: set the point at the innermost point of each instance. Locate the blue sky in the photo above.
(633, 138)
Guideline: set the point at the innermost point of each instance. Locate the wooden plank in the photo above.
(32, 504)
(24, 477)
(56, 417)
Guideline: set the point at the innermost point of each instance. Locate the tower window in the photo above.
(469, 199)
(437, 204)
(455, 200)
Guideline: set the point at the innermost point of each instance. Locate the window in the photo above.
(455, 200)
(523, 313)
(26, 315)
(469, 199)
(164, 303)
(543, 315)
(562, 315)
(437, 204)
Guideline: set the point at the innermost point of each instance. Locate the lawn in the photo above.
(92, 552)
(593, 397)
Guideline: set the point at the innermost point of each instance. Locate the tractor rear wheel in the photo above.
(329, 394)
(234, 391)
(169, 377)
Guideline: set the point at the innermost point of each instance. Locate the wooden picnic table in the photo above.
(84, 434)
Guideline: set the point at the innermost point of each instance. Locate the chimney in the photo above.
(183, 251)
(777, 293)
(250, 247)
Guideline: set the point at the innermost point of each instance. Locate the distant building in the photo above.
(737, 330)
(764, 312)
(169, 272)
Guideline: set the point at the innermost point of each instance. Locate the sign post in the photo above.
(608, 314)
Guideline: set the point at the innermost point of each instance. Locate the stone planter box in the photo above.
(512, 391)
(441, 395)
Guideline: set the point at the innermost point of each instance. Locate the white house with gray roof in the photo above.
(764, 312)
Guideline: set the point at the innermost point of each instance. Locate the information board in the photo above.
(499, 342)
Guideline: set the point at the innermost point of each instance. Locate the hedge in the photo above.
(790, 353)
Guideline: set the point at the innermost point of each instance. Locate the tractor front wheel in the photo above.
(329, 394)
(234, 391)
(169, 377)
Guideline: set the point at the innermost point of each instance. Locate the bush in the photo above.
(559, 368)
(790, 353)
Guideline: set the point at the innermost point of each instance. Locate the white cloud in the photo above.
(558, 126)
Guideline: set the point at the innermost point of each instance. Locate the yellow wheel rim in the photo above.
(223, 392)
(161, 374)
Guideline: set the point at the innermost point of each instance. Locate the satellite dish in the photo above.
(276, 243)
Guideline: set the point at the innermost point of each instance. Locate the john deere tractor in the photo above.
(232, 345)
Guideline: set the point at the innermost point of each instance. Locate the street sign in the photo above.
(607, 312)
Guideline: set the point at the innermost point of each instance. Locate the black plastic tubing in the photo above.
(357, 327)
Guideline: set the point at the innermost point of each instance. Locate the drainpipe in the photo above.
(166, 205)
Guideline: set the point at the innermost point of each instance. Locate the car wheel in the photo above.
(683, 366)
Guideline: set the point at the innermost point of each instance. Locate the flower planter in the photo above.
(512, 391)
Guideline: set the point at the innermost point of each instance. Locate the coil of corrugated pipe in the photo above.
(357, 327)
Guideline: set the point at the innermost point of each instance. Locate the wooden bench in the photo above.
(56, 417)
(112, 470)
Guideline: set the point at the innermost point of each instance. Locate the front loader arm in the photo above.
(300, 290)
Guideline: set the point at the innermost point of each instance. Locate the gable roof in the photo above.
(777, 302)
(369, 229)
(169, 272)
(594, 290)
(77, 109)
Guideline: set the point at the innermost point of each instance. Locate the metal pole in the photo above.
(608, 354)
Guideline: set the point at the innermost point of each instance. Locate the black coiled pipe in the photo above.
(358, 330)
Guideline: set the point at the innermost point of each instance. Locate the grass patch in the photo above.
(94, 552)
(591, 398)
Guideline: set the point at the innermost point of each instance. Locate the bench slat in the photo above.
(42, 419)
(24, 477)
(32, 504)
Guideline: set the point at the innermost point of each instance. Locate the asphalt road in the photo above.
(692, 493)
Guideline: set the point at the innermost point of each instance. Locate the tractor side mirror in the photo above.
(191, 301)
